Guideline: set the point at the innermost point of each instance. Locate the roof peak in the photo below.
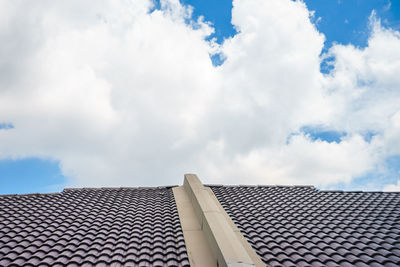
(260, 185)
(117, 188)
(30, 194)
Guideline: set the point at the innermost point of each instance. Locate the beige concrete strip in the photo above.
(197, 246)
(253, 255)
(228, 245)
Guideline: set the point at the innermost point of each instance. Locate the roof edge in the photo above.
(30, 194)
(117, 188)
(259, 185)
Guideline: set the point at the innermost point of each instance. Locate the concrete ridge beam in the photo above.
(197, 247)
(228, 246)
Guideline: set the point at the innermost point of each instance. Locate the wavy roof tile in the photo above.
(268, 225)
(303, 226)
(101, 227)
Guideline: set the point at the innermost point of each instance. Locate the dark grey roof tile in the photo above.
(359, 263)
(5, 261)
(394, 258)
(342, 228)
(19, 261)
(331, 263)
(120, 227)
(34, 261)
(273, 263)
(346, 264)
(302, 263)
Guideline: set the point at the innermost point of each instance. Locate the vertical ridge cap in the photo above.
(228, 245)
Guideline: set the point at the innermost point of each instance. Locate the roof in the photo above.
(120, 226)
(170, 226)
(303, 226)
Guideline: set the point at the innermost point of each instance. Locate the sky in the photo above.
(137, 93)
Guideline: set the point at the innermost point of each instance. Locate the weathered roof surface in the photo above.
(120, 226)
(302, 226)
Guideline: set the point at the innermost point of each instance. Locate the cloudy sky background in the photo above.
(135, 93)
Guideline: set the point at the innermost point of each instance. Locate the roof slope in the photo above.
(302, 226)
(92, 226)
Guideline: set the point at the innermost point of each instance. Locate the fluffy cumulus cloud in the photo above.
(122, 94)
(392, 187)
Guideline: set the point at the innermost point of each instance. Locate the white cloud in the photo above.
(365, 84)
(302, 161)
(392, 187)
(123, 96)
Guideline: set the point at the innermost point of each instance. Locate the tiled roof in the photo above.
(121, 226)
(286, 226)
(302, 226)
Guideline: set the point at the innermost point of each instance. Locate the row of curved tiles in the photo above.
(302, 226)
(92, 227)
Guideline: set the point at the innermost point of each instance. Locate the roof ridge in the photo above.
(303, 186)
(116, 188)
(355, 191)
(259, 185)
(29, 194)
(68, 189)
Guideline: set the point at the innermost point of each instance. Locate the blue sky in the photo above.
(30, 175)
(341, 21)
